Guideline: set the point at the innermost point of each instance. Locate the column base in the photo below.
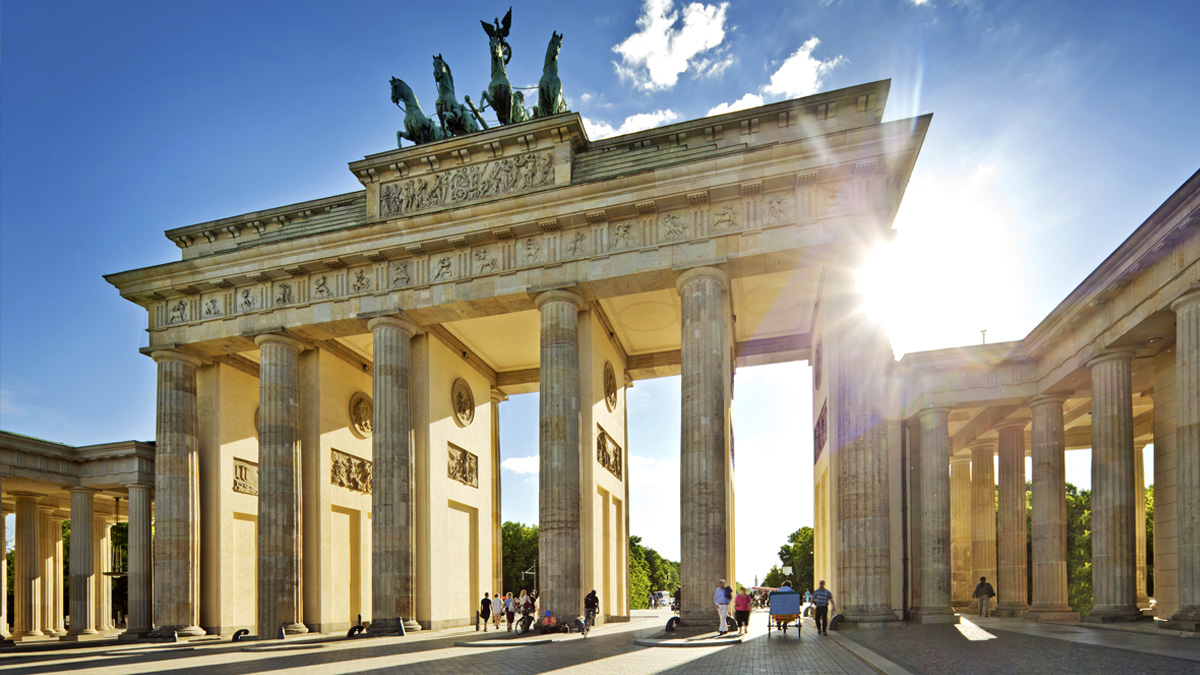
(1183, 626)
(84, 636)
(1115, 615)
(929, 616)
(172, 631)
(1186, 619)
(30, 637)
(1052, 615)
(1010, 611)
(290, 629)
(867, 617)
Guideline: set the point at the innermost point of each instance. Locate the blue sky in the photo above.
(1058, 128)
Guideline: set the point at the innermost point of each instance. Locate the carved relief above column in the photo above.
(462, 465)
(608, 453)
(350, 472)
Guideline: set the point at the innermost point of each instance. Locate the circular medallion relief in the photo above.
(610, 387)
(463, 402)
(817, 367)
(361, 410)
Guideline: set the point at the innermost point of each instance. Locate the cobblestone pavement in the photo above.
(996, 648)
(609, 649)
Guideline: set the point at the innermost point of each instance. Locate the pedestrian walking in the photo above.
(984, 593)
(721, 598)
(741, 610)
(497, 609)
(823, 600)
(510, 607)
(485, 611)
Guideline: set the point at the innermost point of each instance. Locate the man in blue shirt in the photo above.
(823, 600)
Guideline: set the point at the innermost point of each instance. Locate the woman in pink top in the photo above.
(741, 610)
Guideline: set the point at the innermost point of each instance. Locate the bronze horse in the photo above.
(456, 120)
(550, 99)
(417, 127)
(499, 93)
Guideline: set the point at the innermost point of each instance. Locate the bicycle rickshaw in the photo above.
(785, 607)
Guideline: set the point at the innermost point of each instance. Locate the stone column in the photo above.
(1012, 593)
(497, 519)
(102, 562)
(83, 588)
(863, 537)
(1113, 493)
(46, 548)
(393, 525)
(4, 629)
(934, 463)
(983, 512)
(1049, 512)
(279, 591)
(1139, 528)
(27, 572)
(559, 570)
(704, 516)
(141, 571)
(176, 494)
(1187, 457)
(60, 606)
(961, 583)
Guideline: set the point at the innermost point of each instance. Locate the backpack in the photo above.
(728, 594)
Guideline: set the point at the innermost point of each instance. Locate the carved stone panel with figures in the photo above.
(350, 472)
(608, 453)
(510, 175)
(462, 465)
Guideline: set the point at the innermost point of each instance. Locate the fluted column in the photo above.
(27, 572)
(961, 583)
(497, 520)
(1049, 511)
(1187, 456)
(102, 563)
(393, 526)
(58, 573)
(704, 516)
(83, 588)
(1012, 591)
(934, 463)
(176, 494)
(1113, 492)
(46, 549)
(559, 571)
(983, 511)
(141, 571)
(279, 543)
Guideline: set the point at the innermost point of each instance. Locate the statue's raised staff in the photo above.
(499, 94)
(456, 119)
(417, 127)
(550, 99)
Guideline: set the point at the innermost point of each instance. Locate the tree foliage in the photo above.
(798, 552)
(649, 571)
(520, 544)
(1079, 549)
(775, 577)
(1150, 541)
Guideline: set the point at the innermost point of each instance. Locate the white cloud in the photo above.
(521, 464)
(747, 101)
(638, 122)
(918, 3)
(659, 52)
(800, 74)
(585, 97)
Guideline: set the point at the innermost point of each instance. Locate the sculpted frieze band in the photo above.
(509, 175)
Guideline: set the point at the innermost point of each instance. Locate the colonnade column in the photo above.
(176, 494)
(4, 629)
(46, 561)
(141, 571)
(83, 589)
(59, 614)
(497, 397)
(1113, 498)
(961, 583)
(27, 572)
(704, 515)
(102, 557)
(983, 511)
(1187, 457)
(1139, 529)
(279, 543)
(393, 525)
(1012, 591)
(934, 463)
(559, 454)
(1049, 511)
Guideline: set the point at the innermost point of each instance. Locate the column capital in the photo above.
(403, 323)
(174, 355)
(279, 339)
(1046, 399)
(1012, 424)
(1114, 355)
(925, 412)
(1189, 297)
(960, 459)
(981, 445)
(81, 489)
(149, 485)
(559, 295)
(498, 396)
(695, 273)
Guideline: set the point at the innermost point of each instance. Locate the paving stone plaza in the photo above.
(329, 380)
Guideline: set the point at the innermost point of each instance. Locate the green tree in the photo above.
(798, 552)
(520, 544)
(1150, 541)
(1079, 549)
(639, 575)
(774, 578)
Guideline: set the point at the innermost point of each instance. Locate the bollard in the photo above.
(282, 635)
(476, 622)
(237, 637)
(400, 626)
(174, 636)
(671, 623)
